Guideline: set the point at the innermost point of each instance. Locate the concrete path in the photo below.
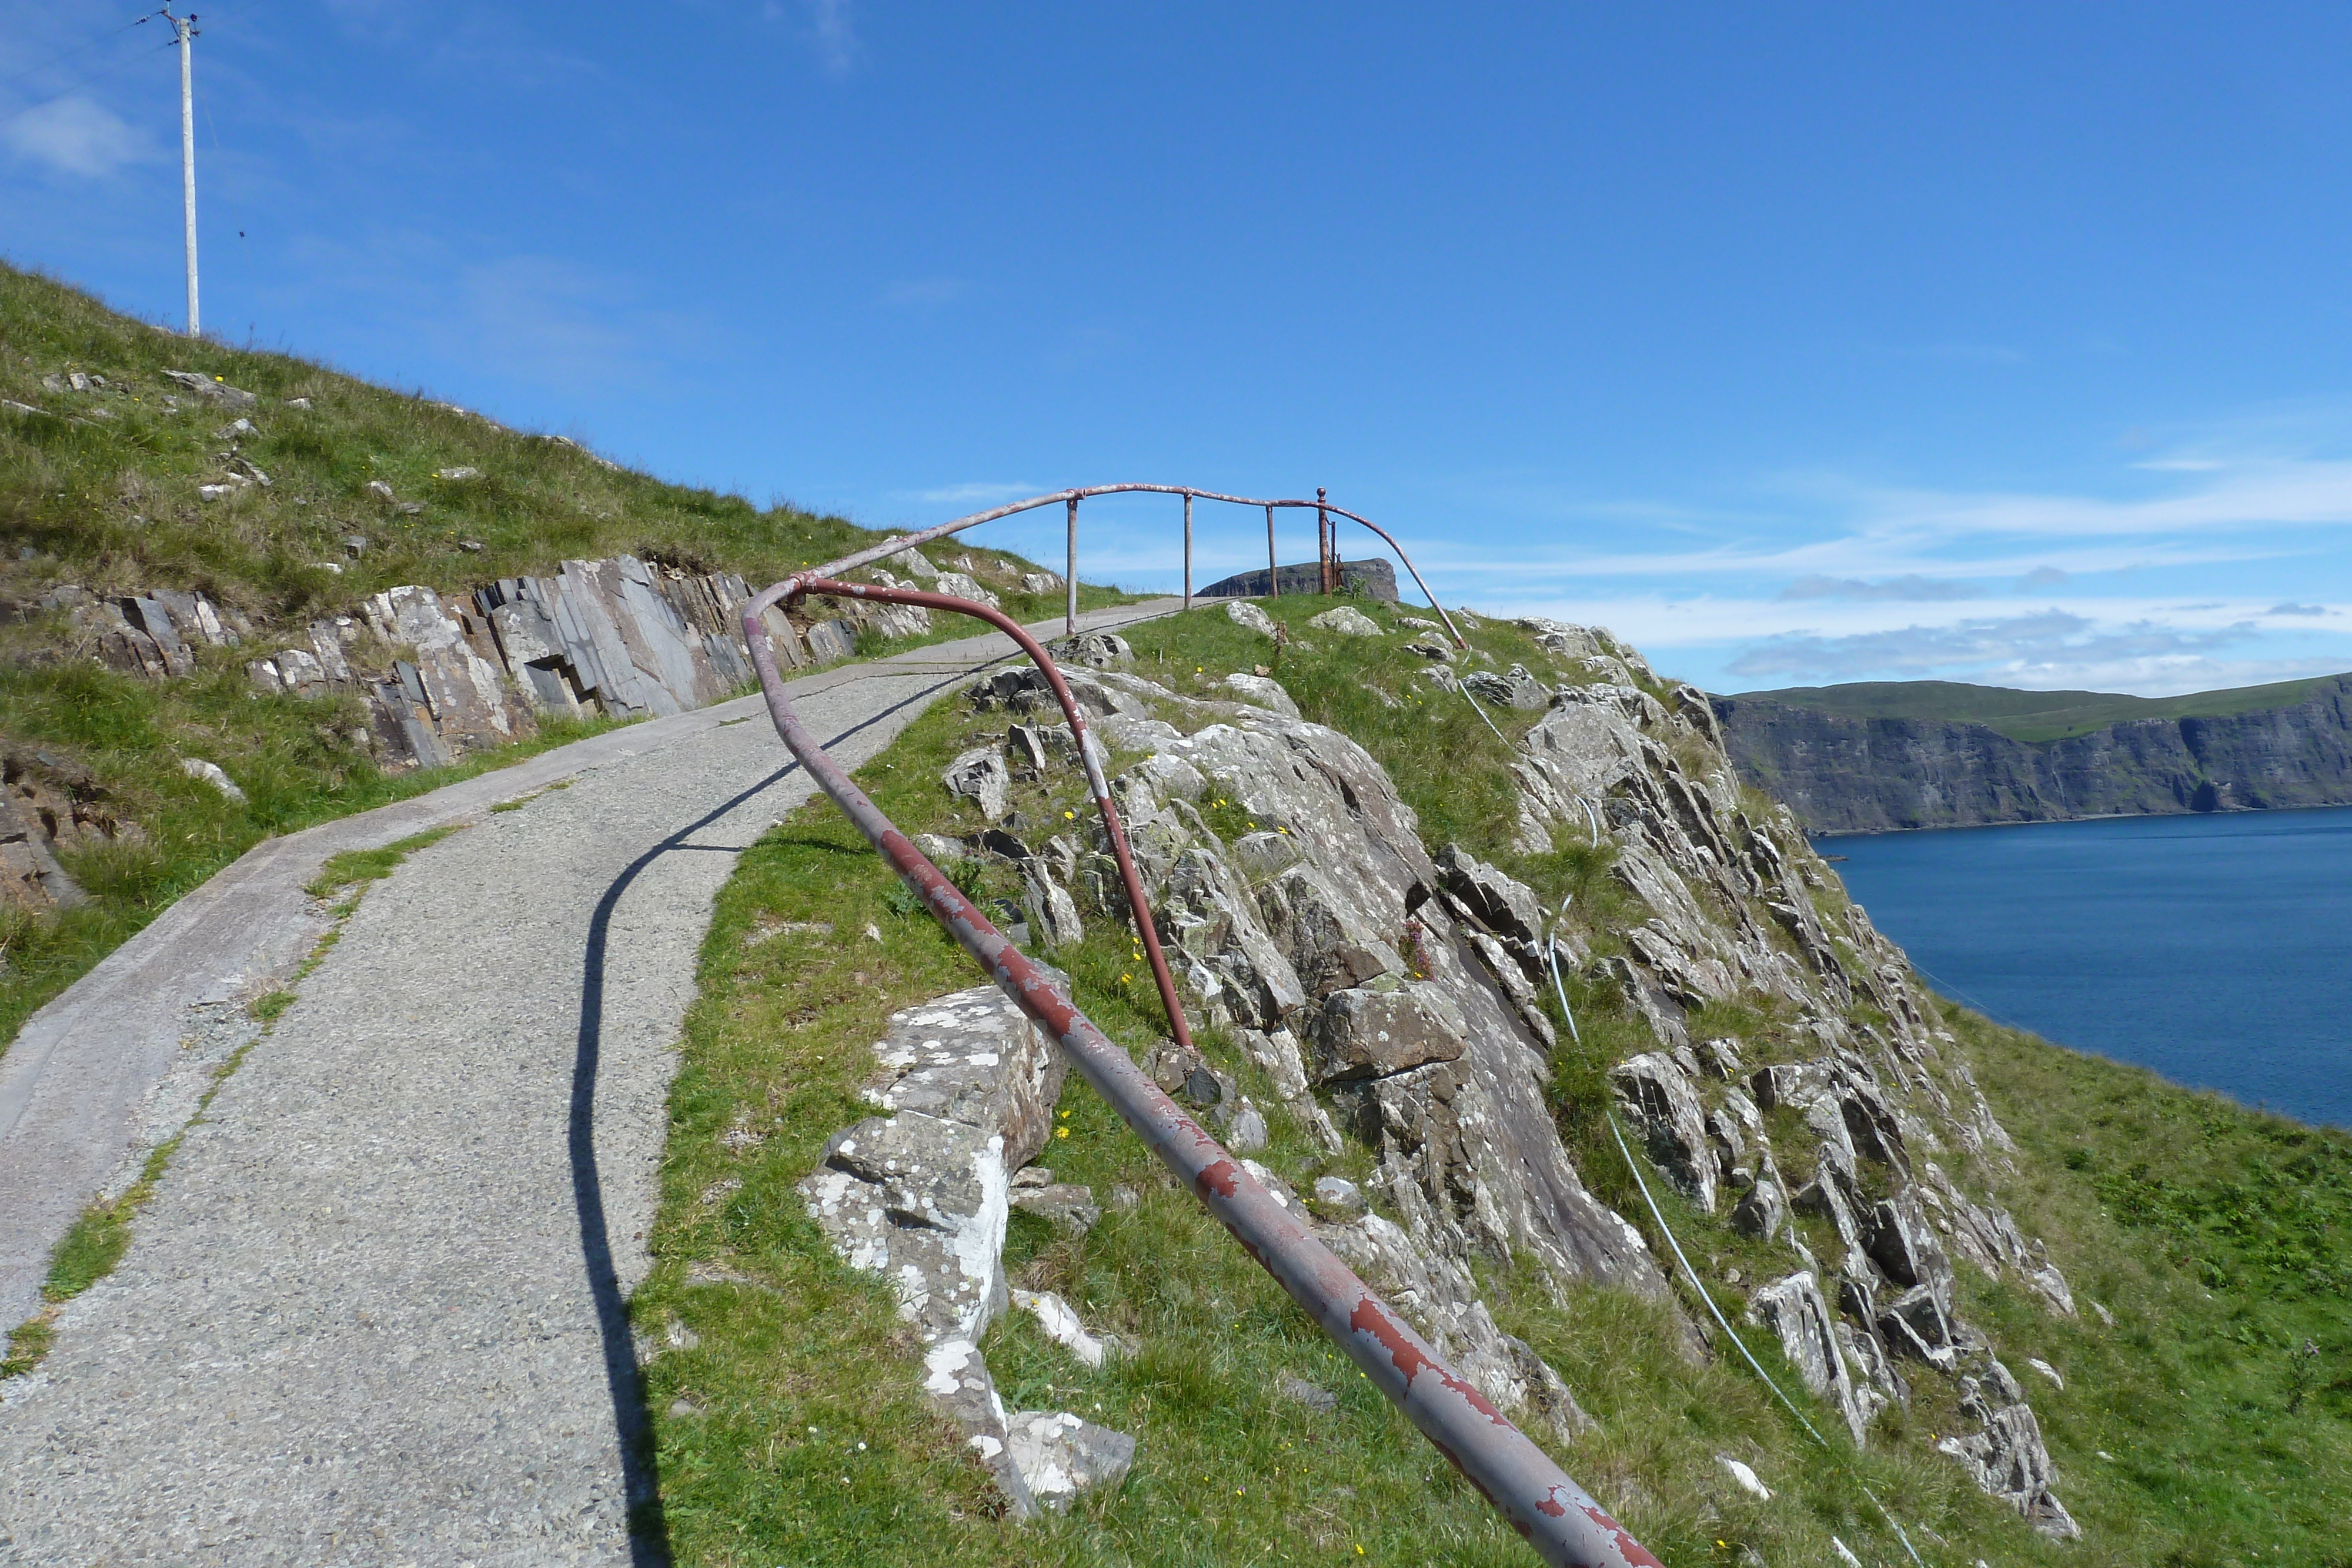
(376, 1312)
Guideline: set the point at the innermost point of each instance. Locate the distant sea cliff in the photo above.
(1844, 773)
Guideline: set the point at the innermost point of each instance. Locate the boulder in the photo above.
(914, 563)
(1060, 1455)
(1041, 582)
(1793, 1309)
(1260, 692)
(212, 389)
(1250, 618)
(1349, 621)
(1502, 904)
(972, 1057)
(1366, 1033)
(1061, 1323)
(1657, 1097)
(1514, 689)
(956, 1376)
(1092, 650)
(1434, 649)
(210, 773)
(980, 776)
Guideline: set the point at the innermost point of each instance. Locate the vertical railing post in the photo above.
(1323, 550)
(1070, 580)
(1273, 571)
(1188, 550)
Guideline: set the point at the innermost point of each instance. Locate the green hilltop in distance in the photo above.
(2028, 716)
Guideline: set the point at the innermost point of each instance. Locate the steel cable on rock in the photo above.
(1550, 1510)
(1551, 952)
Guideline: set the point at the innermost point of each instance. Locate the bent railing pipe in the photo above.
(1071, 497)
(1552, 1512)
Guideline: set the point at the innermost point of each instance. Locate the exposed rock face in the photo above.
(1835, 1139)
(1844, 774)
(47, 804)
(2007, 1457)
(1438, 1071)
(445, 676)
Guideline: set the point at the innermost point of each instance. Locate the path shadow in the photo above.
(648, 1530)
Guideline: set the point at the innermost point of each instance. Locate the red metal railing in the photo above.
(1552, 1511)
(1325, 534)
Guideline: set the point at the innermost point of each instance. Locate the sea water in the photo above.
(2215, 949)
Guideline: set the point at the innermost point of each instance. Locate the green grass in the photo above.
(799, 1359)
(110, 503)
(354, 868)
(2029, 717)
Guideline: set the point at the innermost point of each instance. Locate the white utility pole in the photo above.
(186, 28)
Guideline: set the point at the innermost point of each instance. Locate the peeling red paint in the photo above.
(1635, 1554)
(1224, 1178)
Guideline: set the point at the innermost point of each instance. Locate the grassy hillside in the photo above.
(2028, 716)
(2193, 1432)
(99, 488)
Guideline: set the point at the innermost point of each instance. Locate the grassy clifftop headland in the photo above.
(2197, 1405)
(1876, 756)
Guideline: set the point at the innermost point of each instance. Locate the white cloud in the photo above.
(1911, 587)
(76, 136)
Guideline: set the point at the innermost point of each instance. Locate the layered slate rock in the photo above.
(445, 675)
(1294, 938)
(1839, 1140)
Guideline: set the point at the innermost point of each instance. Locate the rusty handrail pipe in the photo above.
(1519, 1480)
(1071, 497)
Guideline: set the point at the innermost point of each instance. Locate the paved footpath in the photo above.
(374, 1314)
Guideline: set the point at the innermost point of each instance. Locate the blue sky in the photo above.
(1795, 343)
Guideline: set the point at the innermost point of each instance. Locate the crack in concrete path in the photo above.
(376, 1311)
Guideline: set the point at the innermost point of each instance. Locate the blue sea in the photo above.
(2215, 949)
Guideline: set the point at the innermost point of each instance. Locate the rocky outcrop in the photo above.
(47, 804)
(444, 676)
(1389, 997)
(920, 1196)
(1375, 579)
(1834, 1131)
(1846, 774)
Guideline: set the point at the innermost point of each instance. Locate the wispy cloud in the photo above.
(836, 39)
(2019, 646)
(978, 490)
(2298, 610)
(76, 136)
(1910, 588)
